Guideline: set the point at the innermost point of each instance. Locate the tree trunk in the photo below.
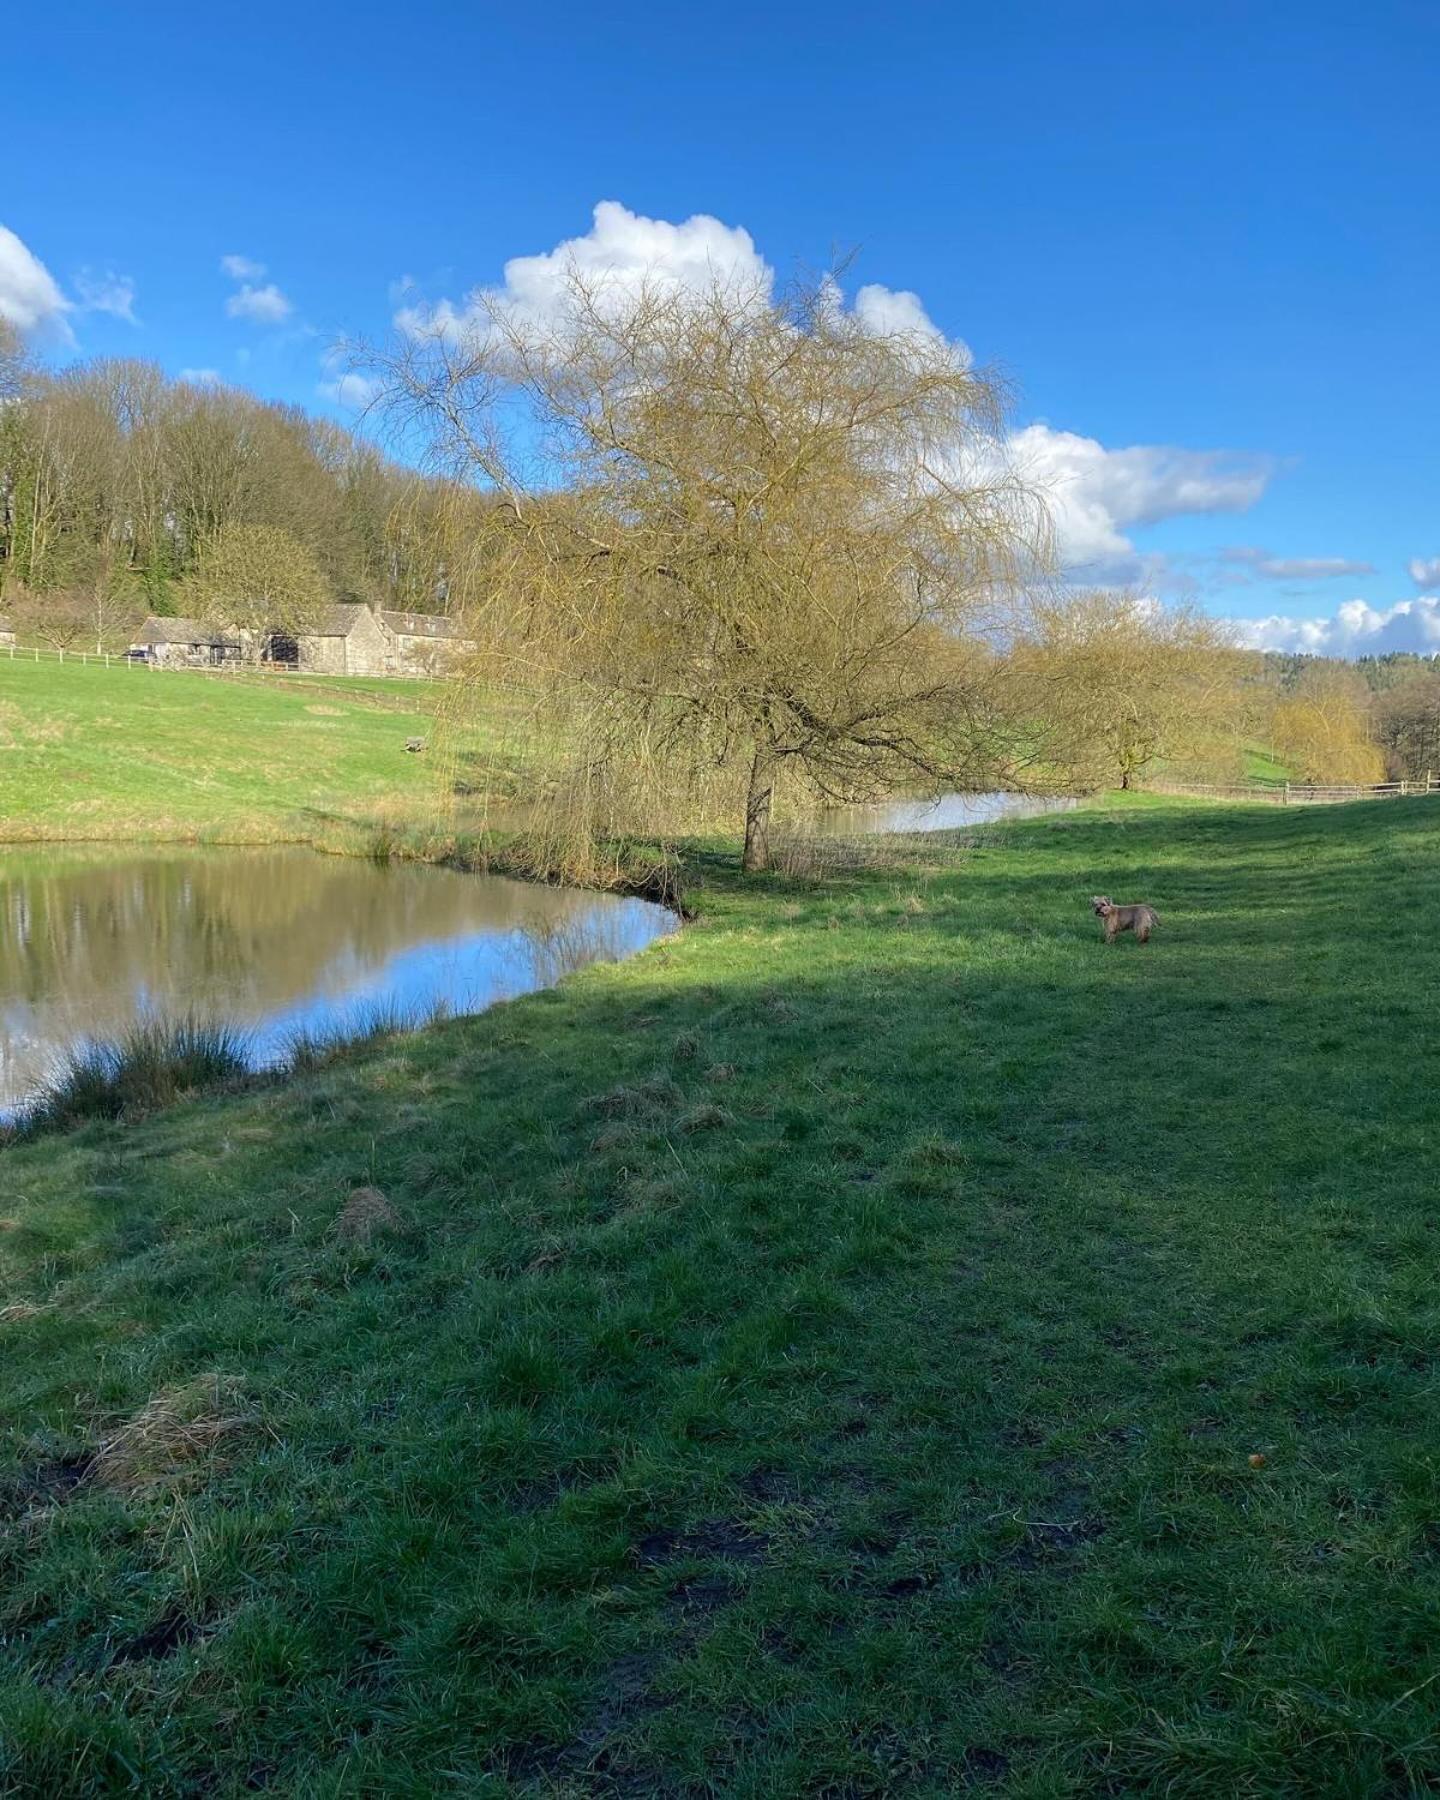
(757, 811)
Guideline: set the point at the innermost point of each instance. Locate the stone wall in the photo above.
(363, 650)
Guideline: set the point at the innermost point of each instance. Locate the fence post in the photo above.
(1285, 801)
(1403, 790)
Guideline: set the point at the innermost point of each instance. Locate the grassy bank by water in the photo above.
(879, 1342)
(91, 752)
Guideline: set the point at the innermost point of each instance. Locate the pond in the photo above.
(949, 812)
(279, 943)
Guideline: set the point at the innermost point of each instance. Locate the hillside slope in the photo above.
(87, 751)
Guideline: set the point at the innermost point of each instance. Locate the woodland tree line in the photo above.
(124, 492)
(745, 553)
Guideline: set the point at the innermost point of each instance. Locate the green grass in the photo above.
(823, 1356)
(90, 752)
(1263, 766)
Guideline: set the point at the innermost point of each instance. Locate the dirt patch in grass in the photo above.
(709, 1540)
(43, 1484)
(171, 1632)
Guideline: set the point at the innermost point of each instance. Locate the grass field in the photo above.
(90, 752)
(879, 1342)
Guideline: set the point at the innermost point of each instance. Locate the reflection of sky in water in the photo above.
(949, 812)
(276, 943)
(463, 975)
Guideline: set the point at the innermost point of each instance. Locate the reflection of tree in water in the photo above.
(87, 941)
(561, 943)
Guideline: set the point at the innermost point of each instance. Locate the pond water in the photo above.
(950, 812)
(276, 942)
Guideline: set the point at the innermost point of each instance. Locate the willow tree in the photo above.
(743, 540)
(1322, 727)
(1115, 683)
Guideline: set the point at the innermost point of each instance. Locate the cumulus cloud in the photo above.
(107, 293)
(1425, 571)
(892, 312)
(1097, 495)
(351, 391)
(30, 297)
(1294, 568)
(1354, 629)
(624, 252)
(202, 377)
(242, 268)
(261, 305)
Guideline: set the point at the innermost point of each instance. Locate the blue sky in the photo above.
(1203, 239)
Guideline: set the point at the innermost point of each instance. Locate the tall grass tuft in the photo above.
(308, 1050)
(154, 1064)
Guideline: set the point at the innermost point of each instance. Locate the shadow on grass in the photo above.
(833, 1354)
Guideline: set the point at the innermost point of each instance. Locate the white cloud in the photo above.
(622, 252)
(30, 297)
(202, 377)
(1096, 495)
(107, 293)
(242, 268)
(1294, 568)
(262, 305)
(625, 251)
(1354, 629)
(1425, 571)
(351, 391)
(893, 312)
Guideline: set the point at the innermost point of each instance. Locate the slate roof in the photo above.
(431, 625)
(338, 620)
(156, 630)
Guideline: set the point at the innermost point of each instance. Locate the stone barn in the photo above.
(185, 644)
(349, 640)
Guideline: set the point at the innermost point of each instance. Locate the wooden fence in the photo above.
(117, 659)
(1291, 793)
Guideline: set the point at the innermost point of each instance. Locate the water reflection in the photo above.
(278, 942)
(949, 812)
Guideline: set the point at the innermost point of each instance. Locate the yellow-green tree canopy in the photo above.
(257, 577)
(1114, 683)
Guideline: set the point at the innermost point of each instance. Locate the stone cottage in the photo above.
(423, 643)
(7, 631)
(185, 644)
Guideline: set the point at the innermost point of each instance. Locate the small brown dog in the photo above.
(1139, 919)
